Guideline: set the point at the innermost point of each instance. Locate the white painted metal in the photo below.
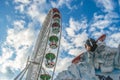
(35, 66)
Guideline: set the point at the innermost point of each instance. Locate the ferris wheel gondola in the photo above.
(49, 60)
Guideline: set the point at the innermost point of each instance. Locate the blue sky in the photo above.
(21, 20)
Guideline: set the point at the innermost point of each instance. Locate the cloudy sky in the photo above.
(21, 20)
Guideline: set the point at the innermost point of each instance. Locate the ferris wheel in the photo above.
(42, 64)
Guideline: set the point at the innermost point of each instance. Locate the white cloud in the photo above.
(60, 3)
(75, 26)
(63, 63)
(18, 42)
(33, 9)
(20, 8)
(76, 51)
(108, 5)
(65, 44)
(103, 21)
(101, 24)
(36, 14)
(70, 31)
(113, 28)
(71, 40)
(106, 21)
(7, 53)
(79, 39)
(78, 42)
(21, 5)
(53, 4)
(16, 38)
(18, 25)
(113, 40)
(22, 1)
(98, 17)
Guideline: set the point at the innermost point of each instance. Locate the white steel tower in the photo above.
(42, 64)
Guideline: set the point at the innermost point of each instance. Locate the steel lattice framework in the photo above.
(42, 64)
